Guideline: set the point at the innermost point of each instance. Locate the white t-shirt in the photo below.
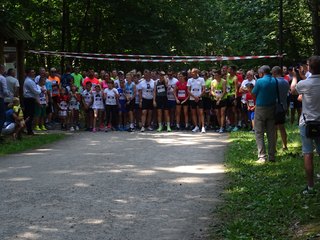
(171, 85)
(147, 89)
(87, 96)
(111, 96)
(243, 85)
(97, 100)
(196, 85)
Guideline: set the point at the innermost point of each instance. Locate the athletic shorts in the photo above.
(239, 103)
(40, 110)
(194, 104)
(147, 104)
(186, 103)
(130, 106)
(222, 103)
(230, 100)
(294, 103)
(162, 103)
(207, 103)
(250, 115)
(171, 104)
(122, 106)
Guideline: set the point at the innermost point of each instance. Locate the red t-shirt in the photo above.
(182, 91)
(251, 101)
(94, 81)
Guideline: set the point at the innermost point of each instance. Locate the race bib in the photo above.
(251, 103)
(161, 89)
(182, 93)
(218, 93)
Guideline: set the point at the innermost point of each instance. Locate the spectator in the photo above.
(3, 94)
(283, 87)
(310, 112)
(265, 93)
(12, 85)
(31, 94)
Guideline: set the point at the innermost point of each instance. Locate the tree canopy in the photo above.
(167, 27)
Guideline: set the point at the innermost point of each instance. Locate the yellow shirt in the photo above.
(18, 111)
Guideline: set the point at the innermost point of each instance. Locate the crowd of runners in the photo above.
(218, 100)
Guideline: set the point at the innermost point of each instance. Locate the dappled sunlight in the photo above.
(29, 236)
(61, 172)
(145, 172)
(190, 180)
(43, 149)
(93, 221)
(21, 167)
(195, 169)
(94, 143)
(79, 173)
(44, 229)
(33, 153)
(80, 184)
(120, 201)
(19, 179)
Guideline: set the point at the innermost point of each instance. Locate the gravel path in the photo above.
(117, 186)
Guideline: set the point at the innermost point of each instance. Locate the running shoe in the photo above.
(150, 129)
(72, 129)
(77, 128)
(196, 129)
(37, 128)
(169, 129)
(203, 130)
(94, 130)
(142, 129)
(221, 130)
(235, 129)
(43, 128)
(159, 129)
(308, 190)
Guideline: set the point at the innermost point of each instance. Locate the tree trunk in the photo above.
(315, 8)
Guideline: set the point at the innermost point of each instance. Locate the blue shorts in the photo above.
(122, 108)
(307, 143)
(251, 115)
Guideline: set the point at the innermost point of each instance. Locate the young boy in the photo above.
(40, 110)
(87, 106)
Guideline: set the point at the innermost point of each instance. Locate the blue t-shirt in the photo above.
(265, 91)
(122, 96)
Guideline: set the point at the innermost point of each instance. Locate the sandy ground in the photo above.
(113, 186)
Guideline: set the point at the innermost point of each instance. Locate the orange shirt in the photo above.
(55, 85)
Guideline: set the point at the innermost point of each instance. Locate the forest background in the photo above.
(166, 27)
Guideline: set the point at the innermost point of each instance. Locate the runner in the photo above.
(111, 100)
(98, 108)
(87, 106)
(172, 82)
(182, 100)
(130, 88)
(196, 88)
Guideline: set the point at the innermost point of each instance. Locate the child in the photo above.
(160, 101)
(130, 95)
(87, 106)
(74, 107)
(98, 107)
(14, 120)
(63, 100)
(111, 100)
(251, 103)
(40, 109)
(122, 106)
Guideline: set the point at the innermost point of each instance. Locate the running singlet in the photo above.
(161, 89)
(129, 89)
(86, 95)
(63, 104)
(171, 84)
(122, 96)
(97, 100)
(230, 85)
(42, 96)
(250, 100)
(196, 85)
(111, 96)
(218, 89)
(74, 102)
(182, 91)
(147, 89)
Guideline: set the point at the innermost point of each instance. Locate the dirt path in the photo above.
(113, 186)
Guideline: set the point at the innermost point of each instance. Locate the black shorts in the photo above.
(147, 104)
(186, 103)
(222, 103)
(194, 104)
(207, 103)
(130, 106)
(294, 103)
(162, 103)
(230, 101)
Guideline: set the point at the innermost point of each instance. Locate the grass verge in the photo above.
(28, 142)
(265, 201)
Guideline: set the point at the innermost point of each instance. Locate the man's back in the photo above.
(265, 91)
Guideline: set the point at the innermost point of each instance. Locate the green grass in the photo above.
(265, 201)
(28, 142)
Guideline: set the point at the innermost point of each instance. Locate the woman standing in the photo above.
(182, 97)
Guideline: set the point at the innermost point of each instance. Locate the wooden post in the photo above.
(20, 65)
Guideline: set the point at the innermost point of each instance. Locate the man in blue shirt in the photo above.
(266, 95)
